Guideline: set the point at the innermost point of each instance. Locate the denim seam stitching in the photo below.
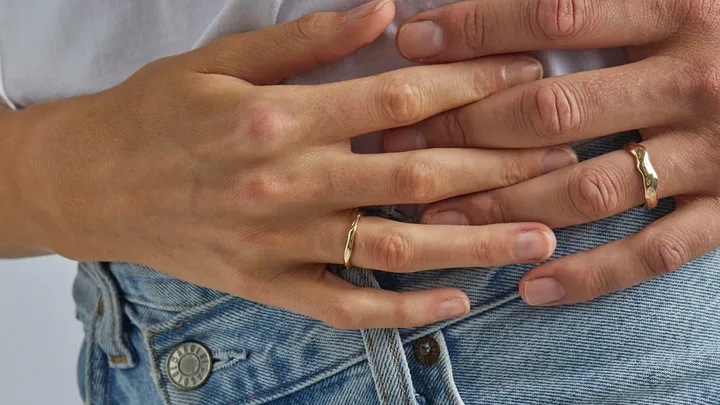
(427, 384)
(365, 274)
(449, 389)
(445, 386)
(113, 327)
(92, 331)
(107, 392)
(156, 358)
(101, 301)
(379, 374)
(114, 317)
(397, 365)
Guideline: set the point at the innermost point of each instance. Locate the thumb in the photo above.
(271, 55)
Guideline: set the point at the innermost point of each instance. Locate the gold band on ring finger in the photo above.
(648, 173)
(350, 244)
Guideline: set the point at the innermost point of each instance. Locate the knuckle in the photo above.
(454, 128)
(416, 180)
(400, 100)
(693, 13)
(663, 253)
(393, 252)
(343, 314)
(487, 209)
(494, 211)
(473, 27)
(261, 191)
(595, 193)
(514, 170)
(483, 252)
(599, 281)
(709, 85)
(308, 27)
(404, 313)
(554, 110)
(264, 125)
(562, 20)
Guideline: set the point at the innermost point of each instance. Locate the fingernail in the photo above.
(543, 291)
(557, 159)
(447, 218)
(522, 71)
(452, 309)
(405, 139)
(421, 40)
(533, 245)
(366, 9)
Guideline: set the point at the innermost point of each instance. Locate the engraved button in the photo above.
(188, 365)
(426, 351)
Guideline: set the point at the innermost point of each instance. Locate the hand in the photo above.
(202, 168)
(671, 91)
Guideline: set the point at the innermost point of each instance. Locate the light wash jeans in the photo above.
(654, 344)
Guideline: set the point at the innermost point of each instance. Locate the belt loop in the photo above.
(96, 364)
(384, 349)
(109, 334)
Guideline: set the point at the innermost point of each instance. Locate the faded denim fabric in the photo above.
(653, 344)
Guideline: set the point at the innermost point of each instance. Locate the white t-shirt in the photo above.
(53, 49)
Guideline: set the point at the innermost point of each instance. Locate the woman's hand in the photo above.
(671, 91)
(199, 166)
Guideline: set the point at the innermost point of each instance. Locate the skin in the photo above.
(201, 166)
(670, 91)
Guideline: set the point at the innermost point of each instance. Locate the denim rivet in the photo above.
(420, 399)
(188, 365)
(426, 351)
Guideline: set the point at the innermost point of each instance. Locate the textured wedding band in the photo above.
(648, 173)
(350, 244)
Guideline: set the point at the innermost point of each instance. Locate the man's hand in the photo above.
(201, 166)
(671, 91)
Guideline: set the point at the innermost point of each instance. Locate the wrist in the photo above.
(23, 231)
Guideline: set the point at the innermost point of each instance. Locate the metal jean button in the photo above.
(188, 366)
(426, 351)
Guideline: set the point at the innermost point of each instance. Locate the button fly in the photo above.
(188, 365)
(426, 351)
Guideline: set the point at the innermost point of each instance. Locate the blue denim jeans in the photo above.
(657, 343)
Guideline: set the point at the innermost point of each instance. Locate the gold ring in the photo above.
(648, 173)
(350, 244)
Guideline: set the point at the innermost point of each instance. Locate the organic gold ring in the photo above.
(648, 173)
(350, 244)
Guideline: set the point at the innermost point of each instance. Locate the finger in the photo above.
(271, 55)
(662, 247)
(560, 110)
(586, 192)
(589, 191)
(317, 293)
(421, 177)
(386, 245)
(475, 28)
(340, 111)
